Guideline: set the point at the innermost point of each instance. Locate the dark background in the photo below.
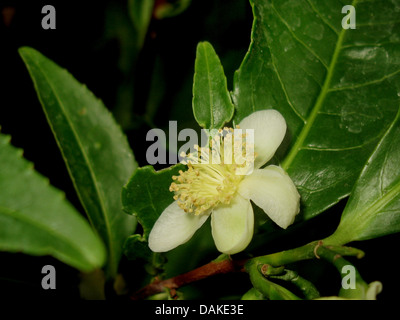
(97, 50)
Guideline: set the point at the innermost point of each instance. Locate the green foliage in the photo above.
(338, 91)
(136, 247)
(36, 219)
(147, 194)
(337, 88)
(97, 155)
(374, 206)
(140, 12)
(212, 106)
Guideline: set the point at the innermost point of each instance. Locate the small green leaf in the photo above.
(136, 247)
(36, 219)
(147, 194)
(212, 105)
(140, 12)
(373, 210)
(97, 154)
(337, 88)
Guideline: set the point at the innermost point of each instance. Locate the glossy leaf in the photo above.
(36, 219)
(373, 210)
(338, 89)
(212, 105)
(147, 194)
(96, 152)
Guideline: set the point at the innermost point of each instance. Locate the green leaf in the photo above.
(36, 219)
(338, 89)
(212, 105)
(373, 209)
(136, 247)
(96, 152)
(140, 12)
(147, 194)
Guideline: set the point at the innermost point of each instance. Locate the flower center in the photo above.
(214, 172)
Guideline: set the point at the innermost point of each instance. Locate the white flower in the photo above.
(217, 190)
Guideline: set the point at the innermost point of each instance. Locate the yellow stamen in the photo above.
(212, 177)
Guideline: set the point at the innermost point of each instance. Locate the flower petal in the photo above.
(173, 228)
(269, 130)
(273, 191)
(232, 225)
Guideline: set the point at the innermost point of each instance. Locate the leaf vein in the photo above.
(322, 17)
(17, 214)
(365, 84)
(318, 104)
(209, 88)
(297, 39)
(285, 91)
(85, 157)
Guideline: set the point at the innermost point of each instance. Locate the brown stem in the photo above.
(209, 269)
